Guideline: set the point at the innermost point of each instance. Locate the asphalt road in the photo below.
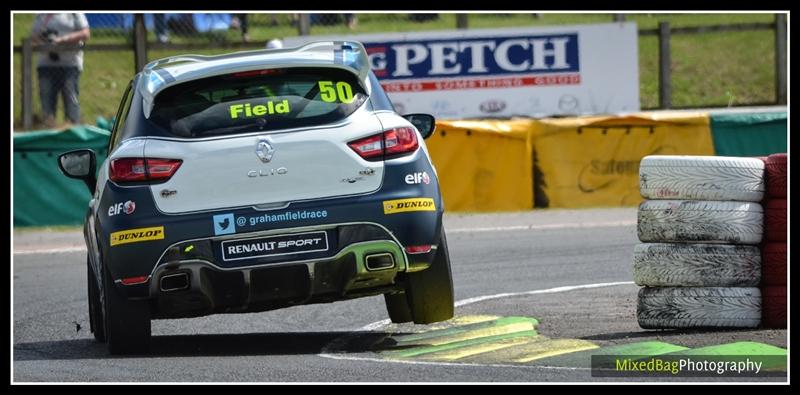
(491, 254)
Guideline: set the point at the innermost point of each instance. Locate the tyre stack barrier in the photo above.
(774, 249)
(699, 263)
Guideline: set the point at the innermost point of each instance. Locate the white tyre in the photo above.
(702, 178)
(690, 307)
(696, 265)
(699, 221)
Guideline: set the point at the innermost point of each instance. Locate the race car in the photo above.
(255, 181)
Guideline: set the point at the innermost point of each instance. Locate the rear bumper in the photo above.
(195, 287)
(190, 280)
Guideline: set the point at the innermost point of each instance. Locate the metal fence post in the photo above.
(619, 17)
(304, 24)
(664, 62)
(139, 41)
(27, 83)
(462, 21)
(780, 58)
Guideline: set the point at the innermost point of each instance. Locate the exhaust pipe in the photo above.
(174, 282)
(381, 261)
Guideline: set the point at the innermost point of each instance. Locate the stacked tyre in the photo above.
(773, 250)
(700, 226)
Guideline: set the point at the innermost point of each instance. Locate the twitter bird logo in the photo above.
(223, 224)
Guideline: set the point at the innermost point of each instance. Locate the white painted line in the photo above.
(541, 291)
(588, 225)
(375, 325)
(379, 324)
(499, 365)
(50, 250)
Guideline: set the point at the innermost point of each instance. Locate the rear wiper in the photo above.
(309, 95)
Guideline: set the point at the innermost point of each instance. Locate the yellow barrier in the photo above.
(484, 165)
(594, 161)
(583, 162)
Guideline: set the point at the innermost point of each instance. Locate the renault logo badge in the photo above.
(264, 150)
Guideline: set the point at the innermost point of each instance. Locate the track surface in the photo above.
(491, 254)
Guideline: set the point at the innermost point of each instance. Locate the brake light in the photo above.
(400, 141)
(369, 147)
(127, 170)
(143, 169)
(423, 249)
(134, 280)
(391, 143)
(254, 73)
(162, 169)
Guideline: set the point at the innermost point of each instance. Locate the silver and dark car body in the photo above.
(260, 180)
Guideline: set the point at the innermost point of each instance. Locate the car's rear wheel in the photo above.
(397, 306)
(127, 322)
(430, 292)
(95, 305)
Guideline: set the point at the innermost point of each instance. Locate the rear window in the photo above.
(258, 100)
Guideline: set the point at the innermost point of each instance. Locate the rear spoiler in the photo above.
(162, 73)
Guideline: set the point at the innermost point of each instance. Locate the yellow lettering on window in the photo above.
(330, 92)
(326, 91)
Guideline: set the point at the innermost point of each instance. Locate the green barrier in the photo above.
(42, 195)
(754, 134)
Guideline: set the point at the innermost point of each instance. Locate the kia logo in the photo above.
(492, 106)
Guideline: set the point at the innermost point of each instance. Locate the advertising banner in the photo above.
(483, 166)
(594, 161)
(527, 72)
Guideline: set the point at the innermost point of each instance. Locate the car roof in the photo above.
(163, 73)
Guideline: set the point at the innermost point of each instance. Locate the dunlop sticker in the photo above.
(405, 205)
(137, 235)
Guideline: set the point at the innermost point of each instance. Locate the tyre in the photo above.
(127, 322)
(774, 307)
(776, 175)
(699, 221)
(701, 178)
(397, 306)
(430, 292)
(773, 264)
(702, 307)
(696, 265)
(775, 219)
(96, 325)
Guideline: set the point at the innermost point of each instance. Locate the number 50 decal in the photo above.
(342, 91)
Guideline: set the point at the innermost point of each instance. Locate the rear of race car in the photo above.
(267, 187)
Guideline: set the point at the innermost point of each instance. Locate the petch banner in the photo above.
(527, 72)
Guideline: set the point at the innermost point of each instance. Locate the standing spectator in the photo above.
(59, 69)
(242, 24)
(351, 20)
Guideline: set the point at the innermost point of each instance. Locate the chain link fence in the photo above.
(114, 52)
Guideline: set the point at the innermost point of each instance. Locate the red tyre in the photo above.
(775, 220)
(773, 307)
(776, 175)
(773, 264)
